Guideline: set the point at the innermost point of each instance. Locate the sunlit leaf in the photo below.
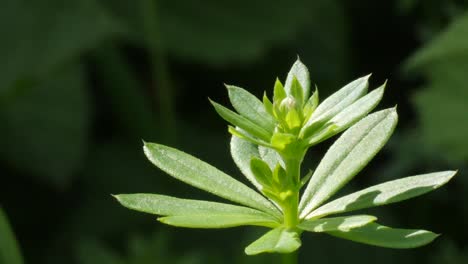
(382, 236)
(250, 107)
(213, 220)
(347, 156)
(385, 193)
(242, 151)
(195, 172)
(338, 101)
(301, 73)
(242, 122)
(278, 240)
(343, 223)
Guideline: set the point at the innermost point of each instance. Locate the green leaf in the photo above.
(270, 156)
(9, 249)
(385, 193)
(348, 116)
(337, 102)
(92, 251)
(383, 236)
(242, 151)
(347, 156)
(242, 122)
(447, 45)
(358, 109)
(343, 223)
(299, 72)
(278, 240)
(250, 107)
(45, 127)
(262, 171)
(213, 220)
(190, 213)
(278, 92)
(197, 173)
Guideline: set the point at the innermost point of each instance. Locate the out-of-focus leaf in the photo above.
(347, 156)
(385, 193)
(383, 236)
(342, 223)
(9, 249)
(197, 173)
(278, 240)
(220, 32)
(44, 132)
(91, 251)
(43, 37)
(441, 104)
(43, 103)
(449, 44)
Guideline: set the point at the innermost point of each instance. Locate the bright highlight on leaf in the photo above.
(270, 138)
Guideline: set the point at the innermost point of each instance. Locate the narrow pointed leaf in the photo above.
(338, 101)
(213, 220)
(262, 171)
(9, 249)
(383, 236)
(242, 122)
(246, 136)
(249, 106)
(278, 92)
(197, 173)
(301, 73)
(385, 193)
(168, 205)
(347, 156)
(278, 240)
(242, 151)
(350, 115)
(343, 223)
(267, 104)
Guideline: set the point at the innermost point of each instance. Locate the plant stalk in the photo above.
(291, 258)
(161, 83)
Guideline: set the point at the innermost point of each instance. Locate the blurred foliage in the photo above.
(442, 105)
(9, 250)
(80, 86)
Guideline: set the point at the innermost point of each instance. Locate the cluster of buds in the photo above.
(294, 120)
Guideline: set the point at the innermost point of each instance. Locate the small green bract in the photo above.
(269, 141)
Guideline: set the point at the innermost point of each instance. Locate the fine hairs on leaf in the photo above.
(270, 138)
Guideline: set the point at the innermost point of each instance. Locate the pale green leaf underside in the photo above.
(358, 109)
(339, 100)
(278, 240)
(197, 173)
(250, 107)
(214, 220)
(347, 156)
(385, 193)
(343, 223)
(270, 156)
(242, 151)
(300, 71)
(351, 114)
(382, 236)
(9, 250)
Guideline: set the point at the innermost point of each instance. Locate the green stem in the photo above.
(291, 218)
(291, 258)
(162, 85)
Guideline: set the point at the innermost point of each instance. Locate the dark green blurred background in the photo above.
(83, 82)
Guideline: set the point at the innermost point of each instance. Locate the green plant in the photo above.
(269, 142)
